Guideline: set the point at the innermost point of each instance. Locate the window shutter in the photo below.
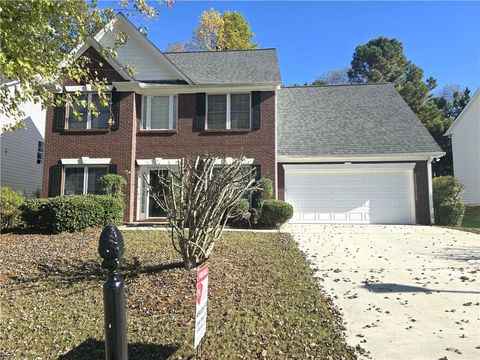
(58, 116)
(258, 174)
(55, 180)
(138, 110)
(199, 122)
(112, 168)
(256, 101)
(115, 110)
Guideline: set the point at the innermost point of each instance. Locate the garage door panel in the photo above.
(351, 197)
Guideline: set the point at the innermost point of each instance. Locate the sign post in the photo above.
(201, 304)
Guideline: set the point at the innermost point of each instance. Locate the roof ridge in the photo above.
(216, 51)
(334, 85)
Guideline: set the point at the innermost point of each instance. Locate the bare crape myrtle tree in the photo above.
(198, 198)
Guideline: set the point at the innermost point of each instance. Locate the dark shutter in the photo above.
(115, 110)
(257, 173)
(138, 109)
(256, 101)
(112, 168)
(55, 180)
(58, 116)
(199, 121)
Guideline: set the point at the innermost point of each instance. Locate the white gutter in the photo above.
(430, 189)
(359, 157)
(159, 89)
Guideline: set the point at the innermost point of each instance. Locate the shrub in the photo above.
(113, 209)
(239, 211)
(259, 197)
(10, 202)
(113, 185)
(447, 203)
(275, 212)
(73, 213)
(36, 213)
(266, 190)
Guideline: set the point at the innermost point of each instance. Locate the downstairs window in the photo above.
(81, 180)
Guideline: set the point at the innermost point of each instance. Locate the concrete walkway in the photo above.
(406, 292)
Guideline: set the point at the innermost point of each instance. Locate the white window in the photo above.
(87, 119)
(159, 112)
(80, 180)
(228, 111)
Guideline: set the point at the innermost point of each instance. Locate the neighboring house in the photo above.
(21, 157)
(353, 154)
(465, 133)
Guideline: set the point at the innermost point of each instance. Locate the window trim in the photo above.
(85, 176)
(229, 111)
(148, 122)
(89, 112)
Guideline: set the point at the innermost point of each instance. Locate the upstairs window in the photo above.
(81, 180)
(229, 111)
(159, 112)
(87, 119)
(40, 151)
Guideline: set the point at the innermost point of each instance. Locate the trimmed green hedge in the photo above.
(72, 213)
(448, 205)
(275, 212)
(10, 202)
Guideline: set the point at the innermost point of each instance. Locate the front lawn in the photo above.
(263, 300)
(471, 220)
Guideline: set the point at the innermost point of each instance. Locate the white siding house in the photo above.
(21, 158)
(465, 133)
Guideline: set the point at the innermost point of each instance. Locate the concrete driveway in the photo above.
(406, 292)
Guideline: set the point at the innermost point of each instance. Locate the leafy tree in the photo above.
(235, 33)
(382, 59)
(207, 33)
(37, 39)
(452, 100)
(216, 31)
(333, 77)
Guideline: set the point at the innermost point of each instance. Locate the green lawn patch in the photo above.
(263, 299)
(471, 220)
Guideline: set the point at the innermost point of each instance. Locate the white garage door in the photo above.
(351, 193)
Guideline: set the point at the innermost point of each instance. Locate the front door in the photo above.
(154, 210)
(148, 207)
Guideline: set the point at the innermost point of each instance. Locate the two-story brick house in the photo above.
(326, 149)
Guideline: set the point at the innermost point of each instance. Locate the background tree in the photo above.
(451, 100)
(382, 59)
(333, 77)
(36, 40)
(199, 199)
(216, 31)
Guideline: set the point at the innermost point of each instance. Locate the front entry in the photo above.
(147, 206)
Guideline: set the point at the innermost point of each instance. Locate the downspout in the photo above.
(430, 189)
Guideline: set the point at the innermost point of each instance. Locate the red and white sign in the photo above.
(201, 308)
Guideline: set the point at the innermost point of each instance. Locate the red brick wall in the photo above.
(186, 142)
(127, 144)
(422, 209)
(117, 145)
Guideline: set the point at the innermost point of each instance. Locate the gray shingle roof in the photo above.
(228, 67)
(348, 120)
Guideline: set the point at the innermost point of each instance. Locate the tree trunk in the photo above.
(189, 263)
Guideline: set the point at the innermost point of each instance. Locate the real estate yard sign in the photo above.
(201, 308)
